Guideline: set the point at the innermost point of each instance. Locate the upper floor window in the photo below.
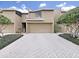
(38, 14)
(18, 13)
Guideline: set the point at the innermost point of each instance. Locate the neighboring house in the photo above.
(39, 21)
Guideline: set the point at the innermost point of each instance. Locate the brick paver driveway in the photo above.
(40, 45)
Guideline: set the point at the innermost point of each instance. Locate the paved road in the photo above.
(40, 45)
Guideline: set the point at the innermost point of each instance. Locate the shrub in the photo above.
(7, 39)
(70, 38)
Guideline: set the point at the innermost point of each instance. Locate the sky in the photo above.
(24, 6)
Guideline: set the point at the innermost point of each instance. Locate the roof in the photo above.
(9, 9)
(43, 10)
(6, 9)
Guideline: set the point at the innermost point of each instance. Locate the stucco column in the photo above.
(26, 27)
(52, 27)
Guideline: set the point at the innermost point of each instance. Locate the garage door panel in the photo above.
(35, 28)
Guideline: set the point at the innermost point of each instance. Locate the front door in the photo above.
(23, 27)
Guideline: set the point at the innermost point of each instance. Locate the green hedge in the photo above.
(7, 39)
(70, 38)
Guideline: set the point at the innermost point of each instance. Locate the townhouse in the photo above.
(38, 21)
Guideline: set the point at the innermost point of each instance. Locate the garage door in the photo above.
(40, 28)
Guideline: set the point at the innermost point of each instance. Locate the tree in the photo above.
(4, 21)
(71, 19)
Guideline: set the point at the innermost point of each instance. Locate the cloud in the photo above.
(23, 6)
(12, 7)
(42, 5)
(22, 9)
(61, 5)
(18, 1)
(67, 8)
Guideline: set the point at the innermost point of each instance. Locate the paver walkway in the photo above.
(40, 45)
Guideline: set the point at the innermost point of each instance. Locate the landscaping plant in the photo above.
(71, 20)
(4, 21)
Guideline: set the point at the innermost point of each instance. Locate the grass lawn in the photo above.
(7, 39)
(70, 38)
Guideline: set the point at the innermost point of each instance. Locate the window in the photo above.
(38, 14)
(18, 13)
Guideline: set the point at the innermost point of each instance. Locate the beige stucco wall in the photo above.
(18, 24)
(31, 15)
(14, 19)
(9, 28)
(10, 15)
(48, 16)
(24, 17)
